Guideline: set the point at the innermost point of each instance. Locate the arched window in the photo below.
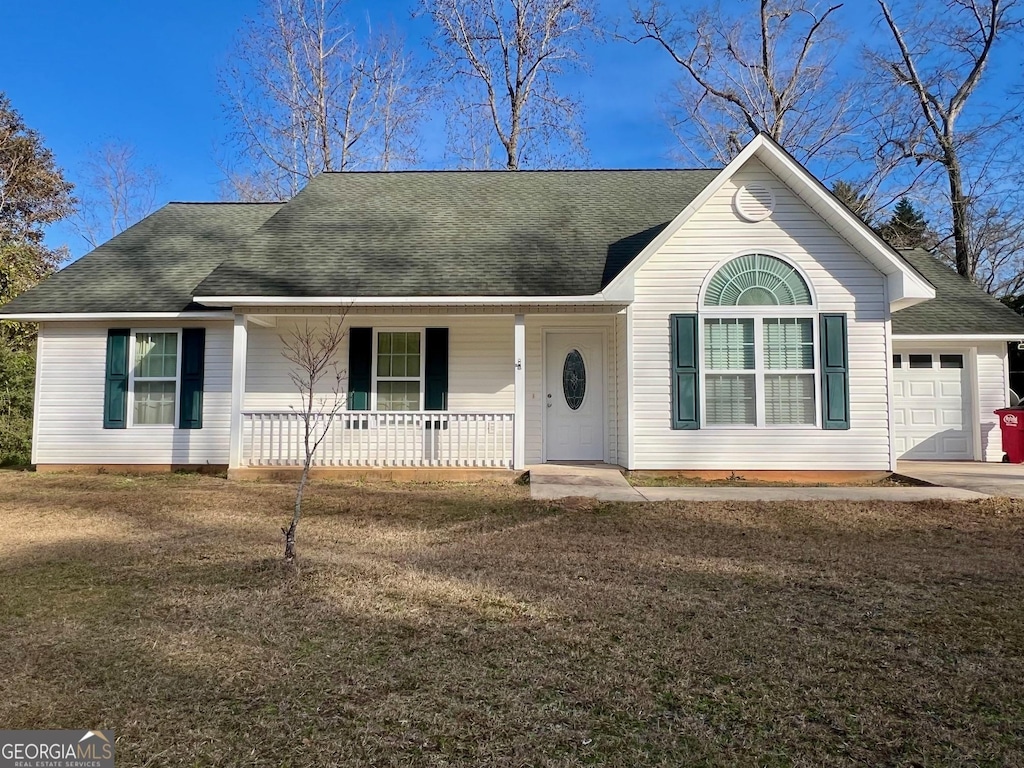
(760, 367)
(756, 280)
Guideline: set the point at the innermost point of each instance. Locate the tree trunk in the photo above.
(964, 265)
(289, 542)
(289, 532)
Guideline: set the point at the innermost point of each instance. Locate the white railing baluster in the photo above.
(381, 439)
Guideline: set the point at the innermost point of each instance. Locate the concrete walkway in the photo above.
(606, 483)
(984, 477)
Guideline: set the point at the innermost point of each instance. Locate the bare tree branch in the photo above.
(307, 94)
(941, 55)
(115, 192)
(742, 75)
(502, 58)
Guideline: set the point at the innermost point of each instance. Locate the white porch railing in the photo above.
(381, 439)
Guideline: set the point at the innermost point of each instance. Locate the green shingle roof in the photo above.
(959, 307)
(532, 233)
(457, 233)
(153, 266)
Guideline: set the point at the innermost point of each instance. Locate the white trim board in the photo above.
(925, 337)
(348, 301)
(46, 317)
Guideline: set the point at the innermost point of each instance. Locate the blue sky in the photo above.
(145, 73)
(84, 73)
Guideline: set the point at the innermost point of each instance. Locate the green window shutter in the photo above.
(685, 370)
(835, 373)
(360, 365)
(435, 385)
(115, 393)
(193, 360)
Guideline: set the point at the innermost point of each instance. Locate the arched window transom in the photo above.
(757, 279)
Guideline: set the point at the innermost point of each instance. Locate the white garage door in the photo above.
(931, 406)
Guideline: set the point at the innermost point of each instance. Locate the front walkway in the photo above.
(984, 477)
(606, 483)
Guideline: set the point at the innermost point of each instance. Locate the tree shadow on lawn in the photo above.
(534, 634)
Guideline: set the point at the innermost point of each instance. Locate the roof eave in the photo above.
(348, 301)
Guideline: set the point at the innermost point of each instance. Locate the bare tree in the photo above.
(937, 59)
(772, 71)
(314, 353)
(307, 94)
(503, 58)
(115, 192)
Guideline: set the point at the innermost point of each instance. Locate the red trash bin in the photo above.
(1011, 422)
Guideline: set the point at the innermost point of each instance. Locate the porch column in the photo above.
(239, 346)
(519, 417)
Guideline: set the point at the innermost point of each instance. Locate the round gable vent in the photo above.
(754, 202)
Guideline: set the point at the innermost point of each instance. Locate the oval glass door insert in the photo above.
(574, 379)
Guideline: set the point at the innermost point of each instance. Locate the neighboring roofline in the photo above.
(314, 301)
(39, 317)
(906, 285)
(958, 336)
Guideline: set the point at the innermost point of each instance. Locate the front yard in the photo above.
(468, 625)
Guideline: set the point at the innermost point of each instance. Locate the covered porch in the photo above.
(502, 401)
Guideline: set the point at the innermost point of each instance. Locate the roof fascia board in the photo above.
(313, 301)
(38, 317)
(958, 336)
(621, 287)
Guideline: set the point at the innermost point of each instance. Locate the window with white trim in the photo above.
(155, 376)
(760, 363)
(398, 371)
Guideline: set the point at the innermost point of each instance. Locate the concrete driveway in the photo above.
(985, 477)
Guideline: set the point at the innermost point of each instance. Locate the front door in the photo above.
(574, 397)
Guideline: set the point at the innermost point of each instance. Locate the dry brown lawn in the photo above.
(465, 625)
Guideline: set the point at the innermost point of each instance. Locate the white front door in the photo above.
(574, 397)
(931, 406)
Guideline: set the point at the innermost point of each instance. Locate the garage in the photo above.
(931, 406)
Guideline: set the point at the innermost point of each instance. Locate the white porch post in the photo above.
(239, 346)
(519, 417)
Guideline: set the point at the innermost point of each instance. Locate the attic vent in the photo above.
(754, 202)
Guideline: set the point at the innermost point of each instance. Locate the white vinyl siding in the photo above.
(842, 281)
(69, 412)
(480, 365)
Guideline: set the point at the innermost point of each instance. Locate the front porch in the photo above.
(499, 398)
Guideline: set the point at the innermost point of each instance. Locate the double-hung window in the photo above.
(399, 371)
(154, 384)
(759, 339)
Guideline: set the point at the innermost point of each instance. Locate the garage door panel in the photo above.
(951, 418)
(931, 420)
(921, 389)
(922, 418)
(950, 389)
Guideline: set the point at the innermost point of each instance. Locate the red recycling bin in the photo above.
(1011, 422)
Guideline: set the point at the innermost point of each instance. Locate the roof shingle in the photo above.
(959, 307)
(153, 266)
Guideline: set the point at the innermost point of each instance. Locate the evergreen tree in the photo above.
(907, 227)
(857, 201)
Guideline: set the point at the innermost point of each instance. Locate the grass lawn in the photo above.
(466, 625)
